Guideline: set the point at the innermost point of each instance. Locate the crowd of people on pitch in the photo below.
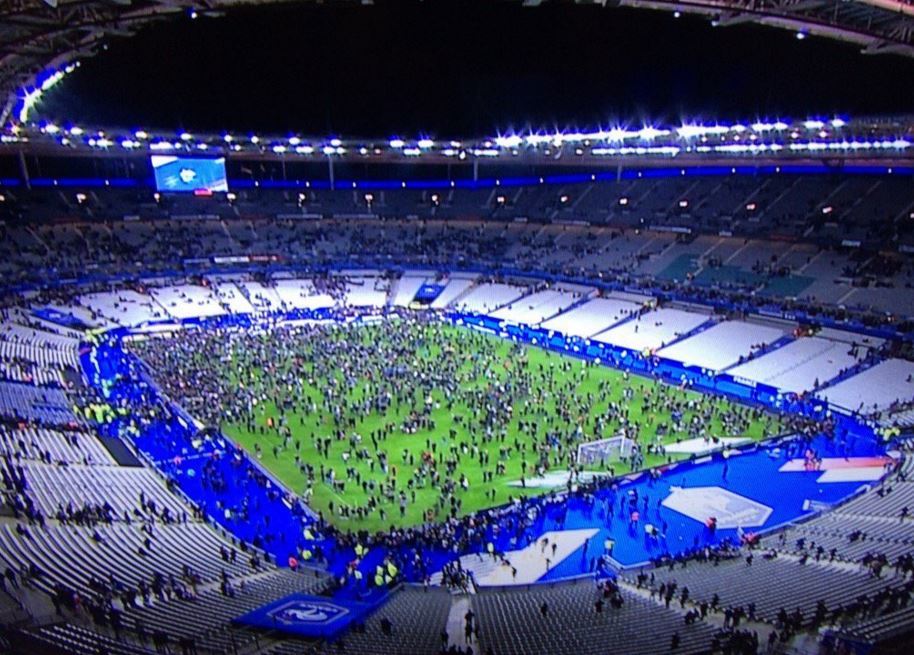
(481, 416)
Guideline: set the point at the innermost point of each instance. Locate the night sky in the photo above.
(466, 69)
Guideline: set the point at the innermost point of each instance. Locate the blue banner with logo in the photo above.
(428, 292)
(307, 616)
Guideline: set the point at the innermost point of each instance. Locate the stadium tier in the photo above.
(655, 399)
(221, 457)
(311, 344)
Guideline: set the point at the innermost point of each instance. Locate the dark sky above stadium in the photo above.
(465, 69)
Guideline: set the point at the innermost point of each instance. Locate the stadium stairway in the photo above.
(707, 325)
(392, 293)
(577, 303)
(460, 296)
(860, 367)
(456, 621)
(764, 350)
(119, 450)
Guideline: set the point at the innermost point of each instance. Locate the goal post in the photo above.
(611, 449)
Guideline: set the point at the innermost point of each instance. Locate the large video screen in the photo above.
(177, 174)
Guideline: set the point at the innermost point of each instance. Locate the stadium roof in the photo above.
(46, 35)
(40, 38)
(878, 26)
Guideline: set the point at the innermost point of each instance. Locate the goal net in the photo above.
(604, 450)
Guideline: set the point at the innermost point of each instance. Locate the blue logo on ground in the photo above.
(308, 616)
(307, 612)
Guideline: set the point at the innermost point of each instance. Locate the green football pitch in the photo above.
(431, 420)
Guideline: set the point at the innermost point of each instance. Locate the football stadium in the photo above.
(405, 328)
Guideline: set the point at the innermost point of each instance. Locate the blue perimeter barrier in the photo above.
(259, 510)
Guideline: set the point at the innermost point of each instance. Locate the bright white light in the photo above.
(50, 128)
(231, 197)
(202, 146)
(813, 125)
(512, 141)
(140, 134)
(838, 122)
(227, 138)
(363, 150)
(31, 97)
(160, 145)
(127, 143)
(279, 149)
(80, 198)
(76, 130)
(336, 143)
(255, 139)
(692, 131)
(425, 144)
(304, 150)
(827, 210)
(649, 133)
(294, 141)
(412, 152)
(623, 201)
(764, 127)
(618, 134)
(328, 150)
(801, 36)
(671, 151)
(185, 136)
(538, 139)
(397, 143)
